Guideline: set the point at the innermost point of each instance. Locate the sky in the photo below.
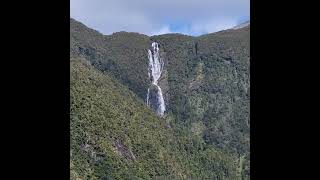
(154, 17)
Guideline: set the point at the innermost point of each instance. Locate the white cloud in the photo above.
(212, 26)
(153, 17)
(163, 30)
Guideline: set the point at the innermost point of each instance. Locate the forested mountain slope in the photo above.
(205, 84)
(115, 136)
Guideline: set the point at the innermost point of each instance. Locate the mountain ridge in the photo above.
(226, 52)
(241, 25)
(205, 83)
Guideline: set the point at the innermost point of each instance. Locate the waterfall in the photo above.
(155, 69)
(148, 97)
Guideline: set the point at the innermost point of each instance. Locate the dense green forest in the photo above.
(205, 133)
(115, 136)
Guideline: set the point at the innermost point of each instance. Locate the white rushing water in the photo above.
(148, 97)
(155, 69)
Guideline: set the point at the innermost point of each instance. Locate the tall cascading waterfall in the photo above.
(155, 69)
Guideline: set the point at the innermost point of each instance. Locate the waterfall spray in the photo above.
(155, 69)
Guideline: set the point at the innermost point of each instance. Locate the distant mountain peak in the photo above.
(242, 25)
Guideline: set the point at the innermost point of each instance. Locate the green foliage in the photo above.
(122, 54)
(206, 85)
(115, 136)
(208, 80)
